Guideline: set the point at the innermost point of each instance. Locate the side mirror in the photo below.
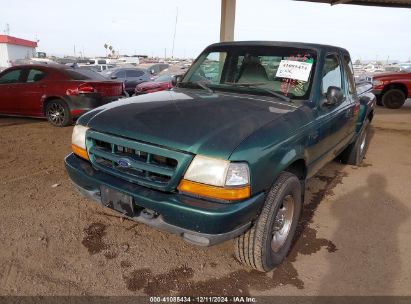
(113, 77)
(334, 96)
(176, 79)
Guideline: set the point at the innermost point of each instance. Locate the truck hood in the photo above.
(393, 75)
(195, 121)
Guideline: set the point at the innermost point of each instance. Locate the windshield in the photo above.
(254, 69)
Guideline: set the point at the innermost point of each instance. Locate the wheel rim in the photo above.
(56, 113)
(282, 223)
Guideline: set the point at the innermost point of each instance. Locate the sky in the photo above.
(147, 27)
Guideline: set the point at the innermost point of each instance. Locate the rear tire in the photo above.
(269, 240)
(355, 152)
(58, 113)
(393, 99)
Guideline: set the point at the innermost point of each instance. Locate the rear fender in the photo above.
(367, 105)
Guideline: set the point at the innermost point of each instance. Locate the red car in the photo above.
(161, 83)
(59, 93)
(392, 89)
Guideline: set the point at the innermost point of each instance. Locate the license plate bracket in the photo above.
(117, 200)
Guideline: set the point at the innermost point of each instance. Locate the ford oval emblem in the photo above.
(124, 163)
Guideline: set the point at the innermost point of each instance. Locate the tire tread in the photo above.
(249, 247)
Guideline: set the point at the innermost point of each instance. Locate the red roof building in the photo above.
(13, 48)
(17, 41)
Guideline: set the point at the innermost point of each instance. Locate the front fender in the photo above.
(267, 163)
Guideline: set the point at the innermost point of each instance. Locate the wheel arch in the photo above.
(396, 85)
(294, 161)
(299, 168)
(47, 99)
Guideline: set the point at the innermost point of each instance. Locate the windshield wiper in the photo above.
(258, 85)
(201, 85)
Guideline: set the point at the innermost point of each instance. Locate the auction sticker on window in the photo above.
(294, 70)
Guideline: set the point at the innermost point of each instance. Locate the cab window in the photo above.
(35, 75)
(332, 76)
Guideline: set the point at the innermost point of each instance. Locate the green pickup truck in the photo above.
(226, 153)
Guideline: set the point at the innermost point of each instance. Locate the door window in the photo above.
(11, 77)
(133, 73)
(332, 75)
(121, 74)
(35, 75)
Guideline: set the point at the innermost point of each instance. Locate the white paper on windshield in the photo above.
(294, 70)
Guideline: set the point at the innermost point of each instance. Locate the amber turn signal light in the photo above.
(79, 151)
(229, 194)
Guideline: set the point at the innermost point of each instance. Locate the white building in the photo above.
(12, 48)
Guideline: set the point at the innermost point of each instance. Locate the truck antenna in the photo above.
(174, 37)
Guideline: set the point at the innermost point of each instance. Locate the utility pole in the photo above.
(7, 30)
(174, 37)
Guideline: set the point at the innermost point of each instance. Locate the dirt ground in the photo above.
(354, 237)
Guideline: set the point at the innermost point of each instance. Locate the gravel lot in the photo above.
(354, 237)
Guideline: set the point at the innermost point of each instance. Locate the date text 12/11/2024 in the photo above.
(203, 299)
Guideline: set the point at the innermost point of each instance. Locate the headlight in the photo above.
(207, 170)
(216, 178)
(78, 141)
(377, 83)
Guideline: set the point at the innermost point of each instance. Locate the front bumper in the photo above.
(376, 92)
(196, 220)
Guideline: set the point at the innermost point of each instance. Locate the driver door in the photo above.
(333, 120)
(336, 117)
(11, 82)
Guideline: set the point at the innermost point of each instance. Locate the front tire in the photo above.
(269, 240)
(393, 99)
(58, 113)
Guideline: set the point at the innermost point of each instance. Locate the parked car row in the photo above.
(57, 92)
(131, 77)
(161, 83)
(61, 93)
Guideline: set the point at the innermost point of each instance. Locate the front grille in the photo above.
(137, 162)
